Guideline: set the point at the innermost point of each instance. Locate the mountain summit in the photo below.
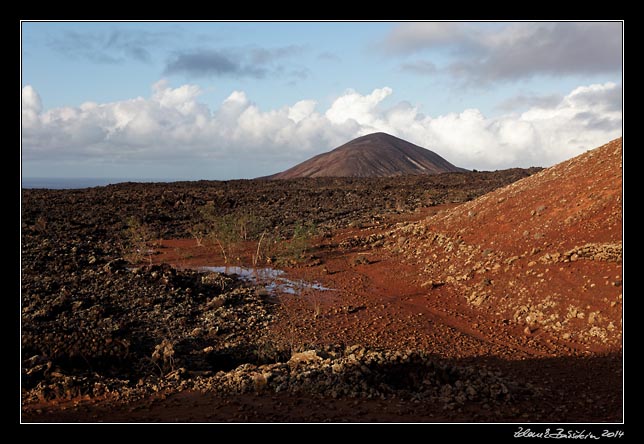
(373, 155)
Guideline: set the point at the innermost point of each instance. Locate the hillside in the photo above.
(373, 155)
(543, 254)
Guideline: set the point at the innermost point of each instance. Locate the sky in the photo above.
(232, 100)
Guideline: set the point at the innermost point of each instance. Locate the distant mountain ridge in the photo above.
(373, 155)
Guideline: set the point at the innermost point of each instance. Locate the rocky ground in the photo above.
(171, 208)
(105, 339)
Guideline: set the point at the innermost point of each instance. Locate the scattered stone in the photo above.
(432, 284)
(116, 265)
(360, 260)
(304, 357)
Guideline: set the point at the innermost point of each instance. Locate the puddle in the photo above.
(270, 278)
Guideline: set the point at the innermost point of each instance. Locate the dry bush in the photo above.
(140, 239)
(228, 230)
(163, 356)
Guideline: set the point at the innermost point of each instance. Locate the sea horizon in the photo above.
(63, 183)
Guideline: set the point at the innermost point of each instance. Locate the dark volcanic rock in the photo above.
(96, 215)
(92, 323)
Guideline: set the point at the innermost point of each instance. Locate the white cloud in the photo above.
(172, 126)
(354, 106)
(182, 98)
(31, 106)
(301, 110)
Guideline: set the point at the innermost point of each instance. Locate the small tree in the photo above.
(139, 236)
(220, 229)
(301, 240)
(226, 231)
(250, 226)
(199, 232)
(273, 245)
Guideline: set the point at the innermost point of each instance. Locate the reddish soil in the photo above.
(416, 290)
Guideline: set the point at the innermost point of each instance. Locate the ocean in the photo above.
(62, 183)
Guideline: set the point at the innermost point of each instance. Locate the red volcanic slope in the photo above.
(543, 254)
(575, 202)
(373, 155)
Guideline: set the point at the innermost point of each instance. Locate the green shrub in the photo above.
(139, 238)
(303, 232)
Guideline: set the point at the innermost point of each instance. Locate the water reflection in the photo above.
(270, 278)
